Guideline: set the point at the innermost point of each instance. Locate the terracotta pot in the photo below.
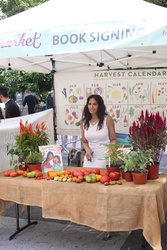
(32, 167)
(139, 178)
(128, 176)
(113, 168)
(153, 172)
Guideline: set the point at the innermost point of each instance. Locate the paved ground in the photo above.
(55, 234)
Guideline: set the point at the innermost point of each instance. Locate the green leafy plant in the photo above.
(34, 157)
(137, 161)
(27, 142)
(113, 154)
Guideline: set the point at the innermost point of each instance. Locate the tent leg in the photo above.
(54, 107)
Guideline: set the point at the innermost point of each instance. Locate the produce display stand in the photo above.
(112, 208)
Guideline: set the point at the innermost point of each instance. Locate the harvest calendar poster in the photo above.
(125, 94)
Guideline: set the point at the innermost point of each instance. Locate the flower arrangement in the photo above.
(27, 141)
(149, 132)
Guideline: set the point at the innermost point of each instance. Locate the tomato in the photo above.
(86, 172)
(114, 176)
(81, 177)
(51, 174)
(104, 178)
(67, 172)
(20, 172)
(104, 173)
(6, 173)
(25, 173)
(36, 170)
(39, 174)
(13, 174)
(74, 179)
(95, 171)
(76, 173)
(78, 180)
(119, 182)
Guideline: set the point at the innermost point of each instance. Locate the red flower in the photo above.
(149, 131)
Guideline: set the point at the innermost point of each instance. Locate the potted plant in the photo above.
(34, 160)
(149, 131)
(127, 166)
(137, 162)
(26, 142)
(113, 156)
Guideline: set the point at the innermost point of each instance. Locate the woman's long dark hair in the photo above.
(47, 157)
(101, 112)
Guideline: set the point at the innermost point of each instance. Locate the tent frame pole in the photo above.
(53, 71)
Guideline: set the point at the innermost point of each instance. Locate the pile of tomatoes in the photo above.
(75, 175)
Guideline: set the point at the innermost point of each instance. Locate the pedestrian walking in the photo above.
(30, 100)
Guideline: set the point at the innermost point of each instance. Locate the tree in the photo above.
(13, 7)
(19, 81)
(162, 3)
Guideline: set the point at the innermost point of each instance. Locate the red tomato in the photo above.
(95, 171)
(114, 176)
(13, 174)
(75, 173)
(39, 174)
(104, 173)
(6, 173)
(104, 178)
(67, 172)
(86, 172)
(81, 177)
(119, 182)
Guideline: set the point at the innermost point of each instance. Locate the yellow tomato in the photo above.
(98, 177)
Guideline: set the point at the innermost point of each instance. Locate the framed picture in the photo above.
(52, 158)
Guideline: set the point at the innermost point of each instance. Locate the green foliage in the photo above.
(34, 158)
(19, 81)
(162, 3)
(12, 7)
(137, 161)
(27, 142)
(113, 153)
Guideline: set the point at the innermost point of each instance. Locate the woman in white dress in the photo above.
(97, 128)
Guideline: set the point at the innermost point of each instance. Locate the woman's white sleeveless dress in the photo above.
(95, 138)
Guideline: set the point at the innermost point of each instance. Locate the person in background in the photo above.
(11, 108)
(97, 129)
(49, 101)
(30, 100)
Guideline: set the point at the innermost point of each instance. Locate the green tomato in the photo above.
(30, 175)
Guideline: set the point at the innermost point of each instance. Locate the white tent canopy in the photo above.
(85, 35)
